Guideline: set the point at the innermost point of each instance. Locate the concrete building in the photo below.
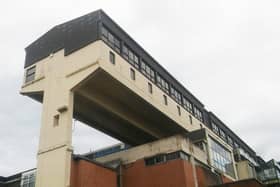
(90, 69)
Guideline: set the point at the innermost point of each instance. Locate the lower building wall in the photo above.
(88, 174)
(206, 177)
(226, 180)
(242, 183)
(177, 173)
(174, 173)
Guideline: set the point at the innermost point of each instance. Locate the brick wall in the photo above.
(175, 173)
(88, 174)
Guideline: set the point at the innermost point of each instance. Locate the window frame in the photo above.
(221, 157)
(130, 56)
(187, 105)
(176, 95)
(223, 135)
(147, 71)
(215, 128)
(162, 84)
(28, 179)
(198, 113)
(111, 39)
(30, 74)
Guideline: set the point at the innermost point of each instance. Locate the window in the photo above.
(112, 57)
(155, 160)
(201, 145)
(150, 88)
(236, 145)
(176, 95)
(132, 74)
(165, 99)
(221, 158)
(179, 110)
(162, 84)
(230, 142)
(112, 40)
(30, 74)
(130, 56)
(215, 128)
(223, 135)
(56, 120)
(190, 118)
(28, 179)
(198, 114)
(187, 105)
(173, 156)
(148, 71)
(166, 157)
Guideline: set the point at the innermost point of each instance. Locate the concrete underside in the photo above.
(109, 106)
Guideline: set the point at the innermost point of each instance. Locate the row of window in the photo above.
(165, 157)
(130, 56)
(230, 141)
(223, 135)
(176, 95)
(148, 71)
(151, 74)
(112, 40)
(198, 114)
(150, 89)
(221, 158)
(162, 84)
(187, 105)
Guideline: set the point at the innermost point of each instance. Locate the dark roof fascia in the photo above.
(10, 178)
(228, 131)
(14, 177)
(68, 22)
(64, 36)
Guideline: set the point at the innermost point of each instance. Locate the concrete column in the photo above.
(192, 160)
(55, 146)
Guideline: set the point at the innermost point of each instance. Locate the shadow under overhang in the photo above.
(102, 102)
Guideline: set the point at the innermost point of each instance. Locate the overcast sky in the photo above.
(225, 52)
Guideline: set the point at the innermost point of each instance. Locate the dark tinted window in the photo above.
(162, 84)
(30, 74)
(148, 71)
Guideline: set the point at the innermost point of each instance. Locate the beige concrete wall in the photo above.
(56, 76)
(243, 170)
(121, 71)
(166, 145)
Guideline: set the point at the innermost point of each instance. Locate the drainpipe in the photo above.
(120, 175)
